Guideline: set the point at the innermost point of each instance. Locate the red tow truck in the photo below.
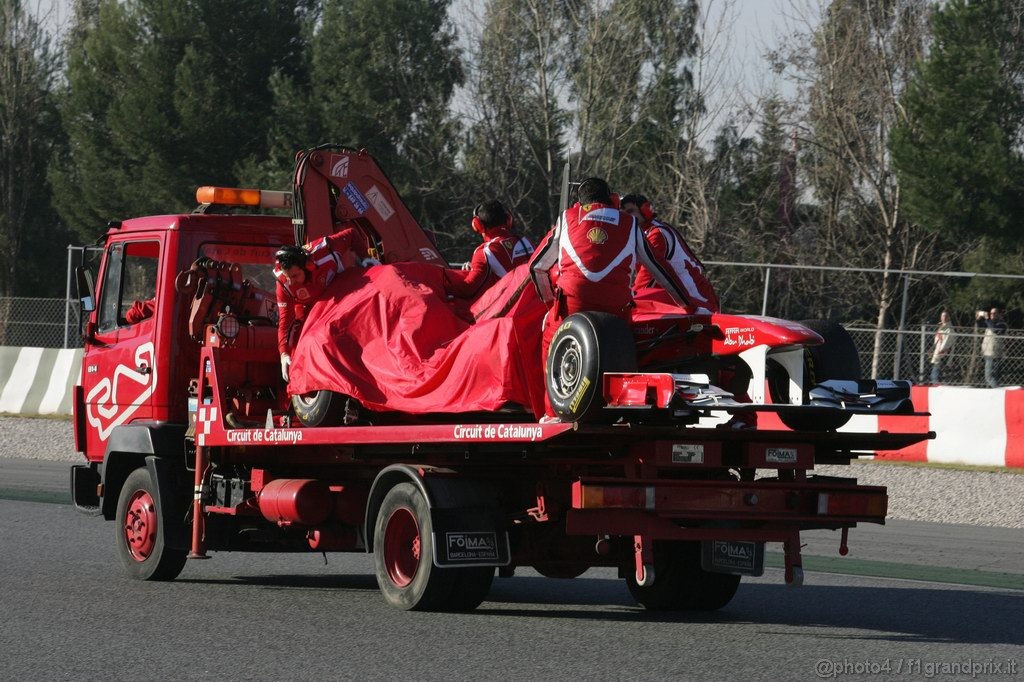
(193, 445)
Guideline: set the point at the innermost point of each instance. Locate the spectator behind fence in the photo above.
(944, 340)
(992, 343)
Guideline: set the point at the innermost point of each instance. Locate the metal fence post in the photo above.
(898, 359)
(67, 299)
(920, 366)
(764, 301)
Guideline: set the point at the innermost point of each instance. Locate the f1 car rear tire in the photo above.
(837, 358)
(320, 408)
(140, 531)
(680, 584)
(585, 346)
(403, 557)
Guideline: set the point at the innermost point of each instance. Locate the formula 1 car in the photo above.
(385, 345)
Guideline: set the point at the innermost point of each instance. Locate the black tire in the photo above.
(140, 531)
(320, 408)
(411, 581)
(561, 571)
(471, 588)
(585, 346)
(837, 358)
(680, 584)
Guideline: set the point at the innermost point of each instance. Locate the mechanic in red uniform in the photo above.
(303, 273)
(594, 248)
(140, 310)
(501, 251)
(673, 254)
(678, 260)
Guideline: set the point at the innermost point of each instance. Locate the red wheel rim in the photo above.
(402, 546)
(140, 525)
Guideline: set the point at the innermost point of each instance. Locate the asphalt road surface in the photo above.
(66, 611)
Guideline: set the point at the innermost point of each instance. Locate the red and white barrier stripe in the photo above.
(974, 426)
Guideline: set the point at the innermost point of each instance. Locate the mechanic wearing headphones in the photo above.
(593, 247)
(501, 251)
(674, 255)
(303, 273)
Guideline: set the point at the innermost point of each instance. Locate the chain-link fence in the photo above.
(54, 323)
(963, 365)
(39, 322)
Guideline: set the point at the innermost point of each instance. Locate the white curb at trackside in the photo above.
(973, 426)
(38, 381)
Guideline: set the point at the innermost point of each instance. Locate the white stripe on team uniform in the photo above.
(679, 260)
(494, 263)
(628, 251)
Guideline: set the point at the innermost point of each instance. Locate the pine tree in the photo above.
(29, 132)
(959, 157)
(377, 74)
(165, 96)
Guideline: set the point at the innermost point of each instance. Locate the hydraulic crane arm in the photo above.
(335, 184)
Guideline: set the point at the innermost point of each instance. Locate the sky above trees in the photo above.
(762, 148)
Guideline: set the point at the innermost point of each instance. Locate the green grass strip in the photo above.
(49, 497)
(884, 569)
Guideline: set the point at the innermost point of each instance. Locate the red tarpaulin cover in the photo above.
(388, 337)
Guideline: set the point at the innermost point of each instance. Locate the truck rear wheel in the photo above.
(680, 584)
(586, 346)
(837, 358)
(140, 531)
(403, 556)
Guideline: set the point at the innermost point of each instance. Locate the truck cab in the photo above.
(139, 358)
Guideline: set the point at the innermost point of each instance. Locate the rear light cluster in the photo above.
(846, 504)
(618, 497)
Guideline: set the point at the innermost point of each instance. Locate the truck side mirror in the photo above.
(87, 304)
(86, 288)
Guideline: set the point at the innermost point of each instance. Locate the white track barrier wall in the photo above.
(36, 381)
(974, 426)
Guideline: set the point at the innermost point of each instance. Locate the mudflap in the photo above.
(85, 481)
(171, 501)
(469, 537)
(732, 556)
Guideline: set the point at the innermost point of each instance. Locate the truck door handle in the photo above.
(143, 369)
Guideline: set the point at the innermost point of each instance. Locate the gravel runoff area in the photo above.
(915, 493)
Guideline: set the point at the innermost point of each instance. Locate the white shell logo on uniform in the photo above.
(597, 236)
(339, 165)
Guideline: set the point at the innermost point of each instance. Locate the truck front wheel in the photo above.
(680, 584)
(140, 531)
(403, 556)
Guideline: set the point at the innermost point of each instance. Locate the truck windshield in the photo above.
(256, 261)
